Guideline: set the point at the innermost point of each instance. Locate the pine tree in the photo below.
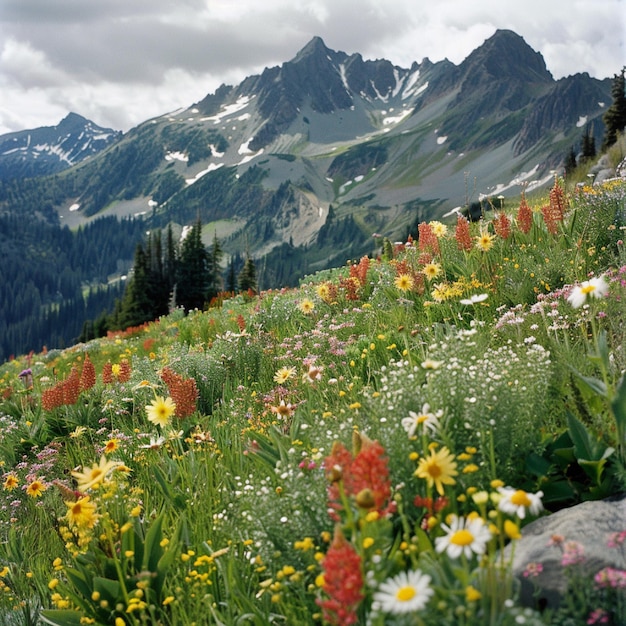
(570, 161)
(247, 276)
(193, 276)
(215, 267)
(136, 306)
(615, 116)
(588, 149)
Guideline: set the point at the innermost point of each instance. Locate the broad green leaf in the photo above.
(58, 617)
(618, 405)
(584, 446)
(153, 549)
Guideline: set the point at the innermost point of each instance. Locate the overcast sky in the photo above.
(121, 62)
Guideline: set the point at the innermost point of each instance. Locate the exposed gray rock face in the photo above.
(587, 533)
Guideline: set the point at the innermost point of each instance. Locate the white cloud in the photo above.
(120, 63)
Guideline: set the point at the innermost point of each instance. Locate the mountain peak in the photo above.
(314, 47)
(506, 55)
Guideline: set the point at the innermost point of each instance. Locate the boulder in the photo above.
(594, 526)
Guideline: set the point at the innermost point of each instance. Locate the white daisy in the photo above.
(595, 287)
(464, 536)
(425, 418)
(404, 593)
(474, 298)
(517, 502)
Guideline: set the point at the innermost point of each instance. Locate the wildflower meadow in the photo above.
(359, 450)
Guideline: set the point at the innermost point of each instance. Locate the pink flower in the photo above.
(573, 553)
(533, 570)
(611, 577)
(599, 616)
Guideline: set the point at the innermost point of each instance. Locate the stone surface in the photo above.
(591, 524)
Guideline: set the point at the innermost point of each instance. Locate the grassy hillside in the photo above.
(356, 450)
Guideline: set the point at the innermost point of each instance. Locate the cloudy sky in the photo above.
(120, 62)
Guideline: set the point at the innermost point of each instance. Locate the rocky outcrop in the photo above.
(591, 535)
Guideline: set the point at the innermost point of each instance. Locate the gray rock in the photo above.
(590, 524)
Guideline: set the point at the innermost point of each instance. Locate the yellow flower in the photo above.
(431, 270)
(485, 241)
(472, 594)
(111, 446)
(35, 488)
(307, 306)
(91, 478)
(437, 469)
(82, 513)
(160, 410)
(404, 282)
(11, 482)
(439, 229)
(511, 529)
(284, 374)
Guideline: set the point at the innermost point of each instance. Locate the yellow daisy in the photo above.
(82, 513)
(306, 306)
(438, 469)
(439, 230)
(485, 241)
(284, 374)
(160, 410)
(35, 488)
(404, 282)
(91, 478)
(10, 482)
(431, 270)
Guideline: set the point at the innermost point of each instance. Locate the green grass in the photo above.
(311, 417)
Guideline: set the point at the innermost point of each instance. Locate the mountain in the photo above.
(300, 165)
(50, 149)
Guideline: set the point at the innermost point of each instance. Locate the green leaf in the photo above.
(618, 406)
(537, 465)
(108, 589)
(153, 550)
(80, 581)
(58, 617)
(583, 445)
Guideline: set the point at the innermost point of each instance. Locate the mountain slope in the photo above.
(310, 158)
(52, 149)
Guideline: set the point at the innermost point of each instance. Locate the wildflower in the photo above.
(91, 478)
(524, 216)
(342, 582)
(78, 432)
(462, 234)
(484, 242)
(367, 471)
(573, 553)
(283, 410)
(425, 418)
(183, 391)
(432, 270)
(595, 287)
(439, 230)
(403, 282)
(437, 469)
(472, 594)
(10, 482)
(611, 577)
(474, 299)
(313, 374)
(306, 306)
(405, 593)
(511, 530)
(532, 570)
(429, 364)
(111, 446)
(81, 513)
(35, 488)
(464, 536)
(160, 410)
(428, 241)
(284, 374)
(598, 616)
(88, 375)
(517, 502)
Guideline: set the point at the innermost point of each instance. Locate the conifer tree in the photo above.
(193, 276)
(570, 161)
(615, 116)
(588, 149)
(215, 260)
(247, 276)
(136, 306)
